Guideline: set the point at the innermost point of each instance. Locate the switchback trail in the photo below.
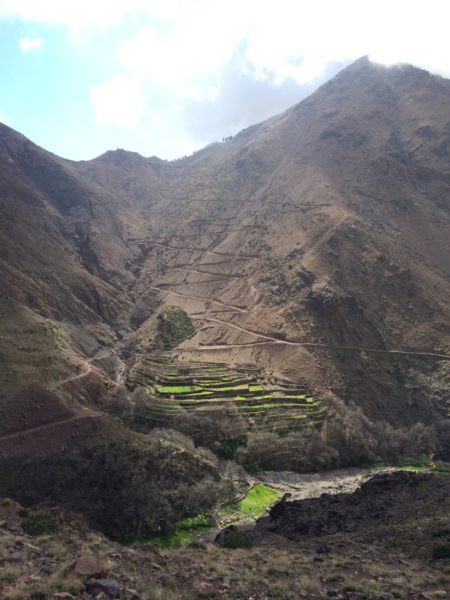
(202, 298)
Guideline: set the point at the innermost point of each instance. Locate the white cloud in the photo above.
(183, 45)
(28, 44)
(78, 16)
(180, 50)
(171, 54)
(119, 101)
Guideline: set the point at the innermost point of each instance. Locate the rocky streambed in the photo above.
(301, 486)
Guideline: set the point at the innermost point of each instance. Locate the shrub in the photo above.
(441, 551)
(126, 491)
(38, 596)
(173, 327)
(39, 524)
(236, 539)
(444, 532)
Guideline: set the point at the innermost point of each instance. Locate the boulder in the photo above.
(89, 566)
(110, 587)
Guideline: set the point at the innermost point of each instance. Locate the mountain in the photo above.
(313, 247)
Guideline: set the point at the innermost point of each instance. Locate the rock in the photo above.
(203, 589)
(12, 527)
(89, 566)
(323, 549)
(332, 594)
(16, 557)
(108, 586)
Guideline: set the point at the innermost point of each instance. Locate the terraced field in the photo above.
(267, 403)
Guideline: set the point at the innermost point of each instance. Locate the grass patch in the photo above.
(39, 524)
(441, 467)
(184, 531)
(255, 503)
(255, 388)
(178, 389)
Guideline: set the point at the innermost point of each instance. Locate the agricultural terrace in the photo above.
(267, 403)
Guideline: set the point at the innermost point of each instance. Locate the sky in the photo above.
(166, 77)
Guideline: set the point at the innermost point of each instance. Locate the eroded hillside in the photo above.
(313, 247)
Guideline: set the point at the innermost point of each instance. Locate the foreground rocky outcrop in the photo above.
(375, 504)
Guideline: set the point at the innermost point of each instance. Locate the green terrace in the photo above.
(268, 403)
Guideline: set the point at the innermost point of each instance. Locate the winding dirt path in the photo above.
(274, 341)
(222, 275)
(72, 378)
(238, 327)
(48, 426)
(229, 307)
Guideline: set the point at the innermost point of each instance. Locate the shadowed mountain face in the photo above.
(313, 245)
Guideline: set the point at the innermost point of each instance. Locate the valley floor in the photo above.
(388, 554)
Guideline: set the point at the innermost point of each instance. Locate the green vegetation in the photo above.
(129, 489)
(255, 388)
(255, 503)
(268, 406)
(204, 388)
(423, 463)
(173, 327)
(178, 389)
(236, 539)
(441, 467)
(184, 531)
(39, 524)
(443, 532)
(441, 551)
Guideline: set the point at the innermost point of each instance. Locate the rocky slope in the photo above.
(378, 559)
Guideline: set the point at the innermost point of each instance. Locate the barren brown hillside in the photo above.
(314, 245)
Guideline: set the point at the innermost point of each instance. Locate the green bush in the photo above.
(441, 551)
(237, 539)
(39, 524)
(173, 327)
(38, 596)
(443, 532)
